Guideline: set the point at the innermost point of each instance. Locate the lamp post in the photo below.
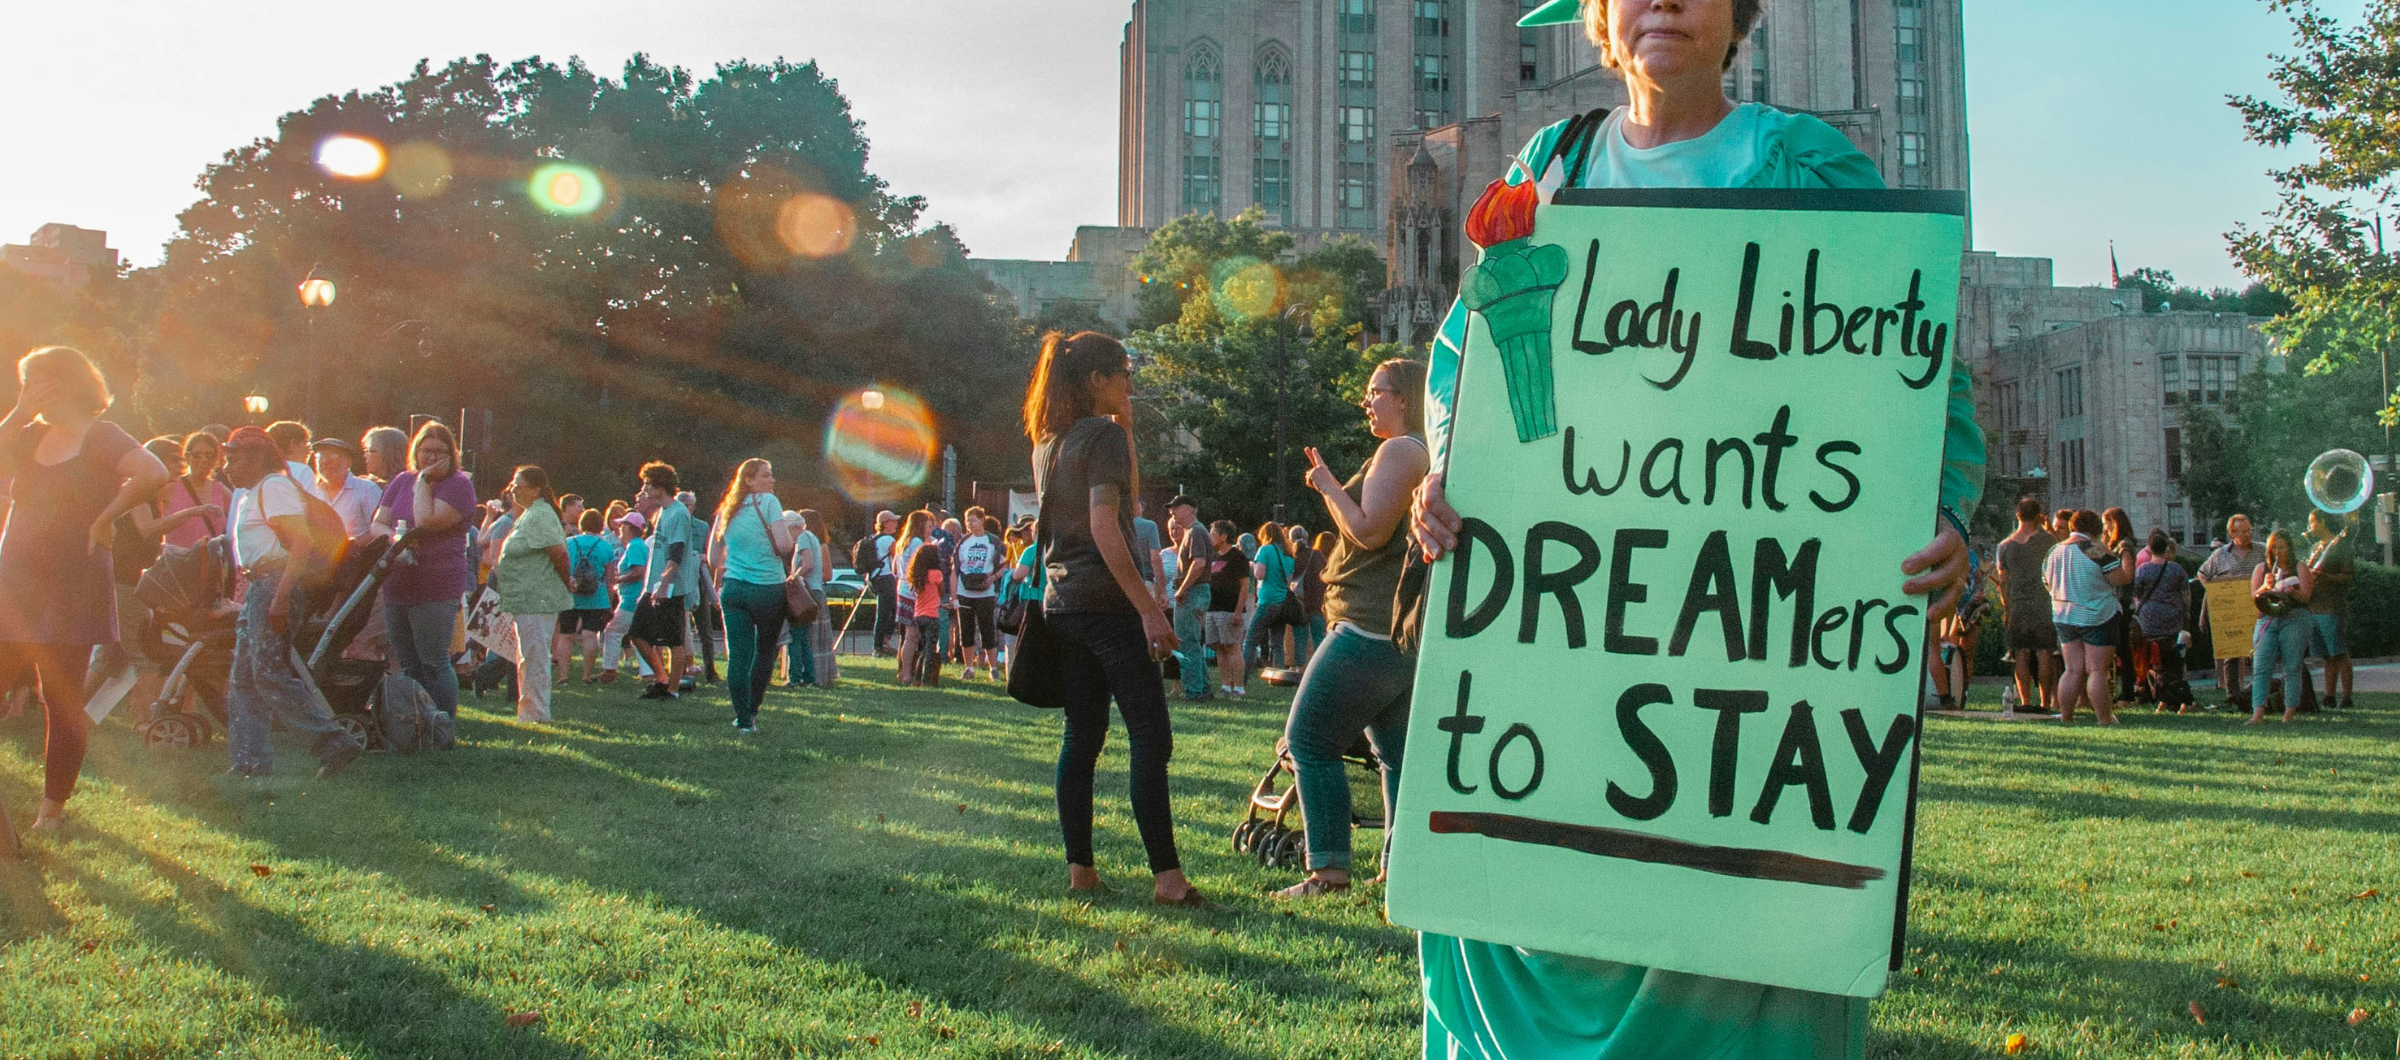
(1296, 325)
(255, 405)
(316, 292)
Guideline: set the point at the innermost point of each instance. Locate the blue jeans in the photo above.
(1262, 644)
(1192, 656)
(2278, 645)
(1104, 656)
(420, 635)
(265, 686)
(1355, 684)
(754, 616)
(1310, 637)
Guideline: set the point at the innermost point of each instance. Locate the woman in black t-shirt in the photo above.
(1109, 647)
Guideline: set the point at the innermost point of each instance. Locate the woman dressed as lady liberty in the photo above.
(1485, 1001)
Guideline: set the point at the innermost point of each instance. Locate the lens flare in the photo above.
(815, 226)
(350, 157)
(1248, 289)
(567, 190)
(419, 170)
(2340, 482)
(879, 445)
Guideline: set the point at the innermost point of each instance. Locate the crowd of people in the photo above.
(2097, 617)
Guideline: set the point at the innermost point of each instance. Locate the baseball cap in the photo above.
(1554, 13)
(341, 445)
(634, 520)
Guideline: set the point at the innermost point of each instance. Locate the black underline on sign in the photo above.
(1657, 850)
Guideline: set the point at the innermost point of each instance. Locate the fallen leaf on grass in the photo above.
(488, 907)
(517, 1020)
(2311, 946)
(962, 807)
(2198, 1016)
(2357, 1016)
(2017, 1043)
(89, 945)
(2249, 875)
(2227, 984)
(945, 1033)
(2365, 894)
(916, 1010)
(874, 1039)
(261, 871)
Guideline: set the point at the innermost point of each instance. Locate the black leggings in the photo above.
(1105, 655)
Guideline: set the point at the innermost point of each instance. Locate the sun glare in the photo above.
(350, 157)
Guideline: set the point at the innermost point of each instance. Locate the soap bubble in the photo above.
(2340, 482)
(879, 445)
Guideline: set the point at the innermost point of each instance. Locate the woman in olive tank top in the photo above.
(1357, 680)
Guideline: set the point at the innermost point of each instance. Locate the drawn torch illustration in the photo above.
(1513, 288)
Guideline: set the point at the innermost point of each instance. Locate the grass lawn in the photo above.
(877, 874)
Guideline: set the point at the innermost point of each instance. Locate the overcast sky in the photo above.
(2090, 120)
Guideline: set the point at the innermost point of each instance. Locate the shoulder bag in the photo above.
(1037, 673)
(800, 606)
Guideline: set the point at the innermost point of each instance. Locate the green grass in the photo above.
(877, 874)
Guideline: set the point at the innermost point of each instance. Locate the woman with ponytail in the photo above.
(1094, 601)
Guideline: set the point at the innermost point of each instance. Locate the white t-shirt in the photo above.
(308, 479)
(355, 502)
(255, 546)
(979, 554)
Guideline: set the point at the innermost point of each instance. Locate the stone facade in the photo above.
(2089, 415)
(68, 256)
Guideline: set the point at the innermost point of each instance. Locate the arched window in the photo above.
(1271, 134)
(1203, 130)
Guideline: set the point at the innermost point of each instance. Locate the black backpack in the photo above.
(586, 581)
(862, 556)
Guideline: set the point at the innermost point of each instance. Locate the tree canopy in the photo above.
(2323, 245)
(1223, 306)
(735, 271)
(2160, 294)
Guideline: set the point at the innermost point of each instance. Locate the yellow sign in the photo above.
(2231, 618)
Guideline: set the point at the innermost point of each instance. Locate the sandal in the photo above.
(1313, 887)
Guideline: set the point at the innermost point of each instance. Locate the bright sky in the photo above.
(2090, 121)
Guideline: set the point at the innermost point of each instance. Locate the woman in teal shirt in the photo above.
(1489, 1002)
(749, 552)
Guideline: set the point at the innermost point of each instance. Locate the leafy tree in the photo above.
(2253, 459)
(1212, 371)
(2323, 244)
(2160, 293)
(680, 320)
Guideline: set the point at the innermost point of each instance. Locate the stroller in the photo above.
(191, 592)
(1262, 833)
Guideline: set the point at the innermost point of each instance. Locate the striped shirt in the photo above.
(2080, 594)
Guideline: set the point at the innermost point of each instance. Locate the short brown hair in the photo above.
(660, 474)
(591, 521)
(1746, 14)
(289, 434)
(1408, 378)
(432, 431)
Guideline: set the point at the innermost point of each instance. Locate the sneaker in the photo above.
(1241, 690)
(686, 685)
(659, 690)
(750, 729)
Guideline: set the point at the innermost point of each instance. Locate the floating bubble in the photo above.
(350, 157)
(567, 189)
(419, 170)
(2340, 482)
(815, 226)
(879, 445)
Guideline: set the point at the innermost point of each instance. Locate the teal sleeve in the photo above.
(1962, 447)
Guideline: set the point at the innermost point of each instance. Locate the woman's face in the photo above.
(1112, 393)
(522, 492)
(763, 479)
(1668, 40)
(434, 455)
(201, 459)
(1387, 408)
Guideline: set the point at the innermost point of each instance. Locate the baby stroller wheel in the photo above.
(173, 730)
(1264, 841)
(1241, 835)
(357, 727)
(1290, 849)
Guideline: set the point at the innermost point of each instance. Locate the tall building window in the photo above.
(1529, 46)
(2174, 441)
(2170, 379)
(1358, 17)
(2070, 464)
(1432, 63)
(1908, 52)
(2070, 393)
(1354, 165)
(1203, 131)
(1271, 136)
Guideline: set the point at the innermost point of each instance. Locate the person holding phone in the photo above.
(432, 500)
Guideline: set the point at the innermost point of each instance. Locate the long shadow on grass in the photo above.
(372, 1003)
(814, 836)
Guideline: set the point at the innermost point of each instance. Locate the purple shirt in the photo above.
(442, 570)
(54, 587)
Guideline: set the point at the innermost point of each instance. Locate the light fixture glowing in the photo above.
(255, 404)
(871, 400)
(350, 157)
(317, 292)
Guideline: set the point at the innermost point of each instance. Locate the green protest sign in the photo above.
(1666, 708)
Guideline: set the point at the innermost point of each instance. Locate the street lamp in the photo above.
(871, 400)
(1295, 319)
(316, 292)
(255, 405)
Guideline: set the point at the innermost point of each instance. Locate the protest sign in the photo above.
(2232, 618)
(1667, 706)
(489, 626)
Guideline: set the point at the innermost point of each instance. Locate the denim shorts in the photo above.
(2103, 635)
(2329, 636)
